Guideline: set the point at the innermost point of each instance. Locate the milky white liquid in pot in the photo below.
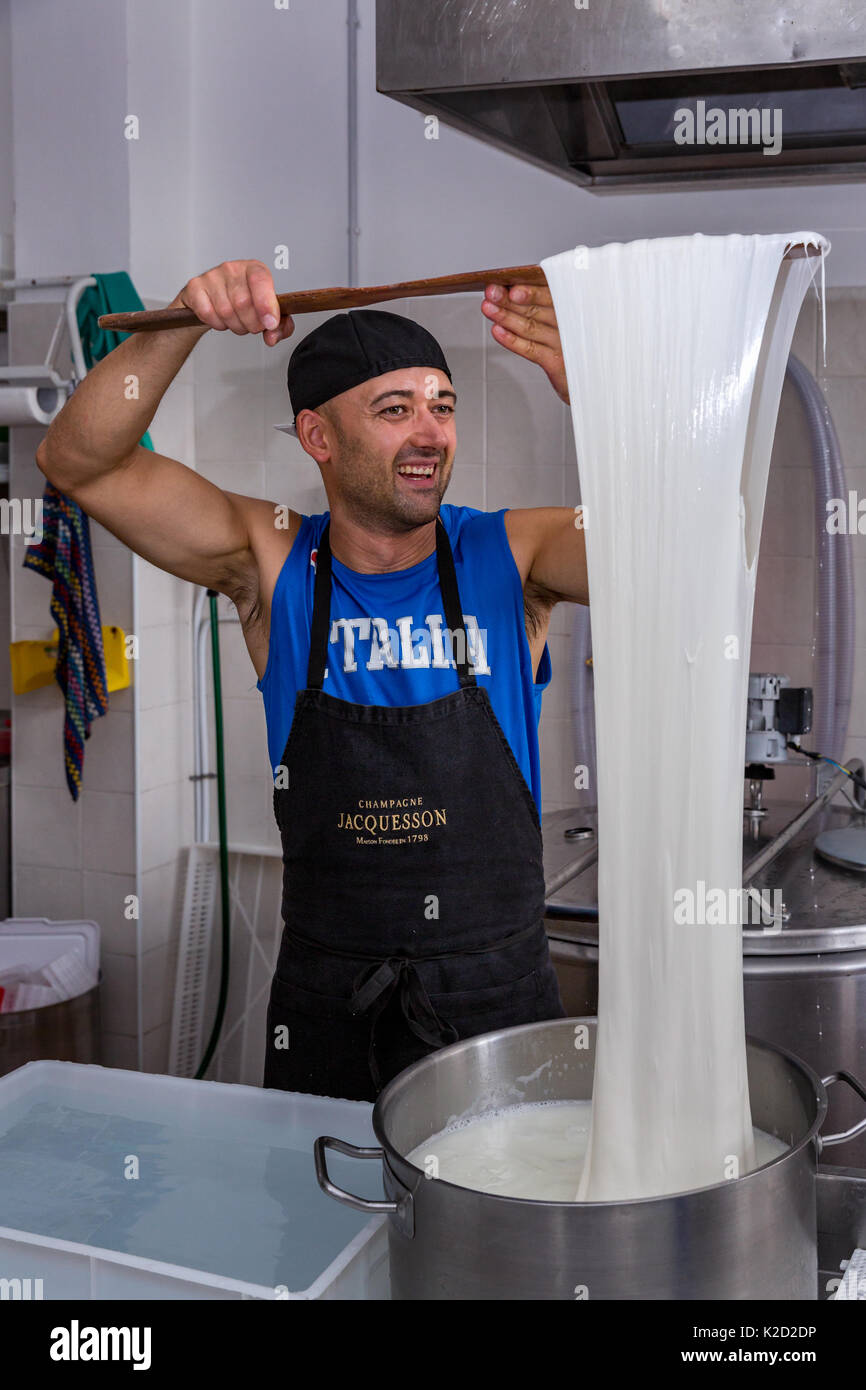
(534, 1151)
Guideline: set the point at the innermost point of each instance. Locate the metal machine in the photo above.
(613, 100)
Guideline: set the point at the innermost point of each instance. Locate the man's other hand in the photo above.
(524, 321)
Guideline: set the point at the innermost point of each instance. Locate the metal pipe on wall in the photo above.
(834, 628)
(353, 230)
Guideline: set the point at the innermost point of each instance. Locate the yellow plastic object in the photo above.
(33, 663)
(116, 663)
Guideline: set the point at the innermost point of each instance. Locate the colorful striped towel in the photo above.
(64, 556)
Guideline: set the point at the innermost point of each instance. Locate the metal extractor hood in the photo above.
(618, 94)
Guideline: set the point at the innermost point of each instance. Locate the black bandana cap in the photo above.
(354, 347)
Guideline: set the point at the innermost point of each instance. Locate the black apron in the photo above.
(413, 886)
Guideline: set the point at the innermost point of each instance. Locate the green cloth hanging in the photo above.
(113, 293)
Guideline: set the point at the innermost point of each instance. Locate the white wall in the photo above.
(71, 859)
(7, 191)
(70, 155)
(162, 62)
(269, 155)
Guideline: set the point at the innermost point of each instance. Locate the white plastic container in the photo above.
(225, 1199)
(37, 941)
(61, 957)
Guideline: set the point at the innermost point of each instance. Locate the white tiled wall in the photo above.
(84, 859)
(164, 757)
(70, 859)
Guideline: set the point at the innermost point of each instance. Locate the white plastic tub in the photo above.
(225, 1203)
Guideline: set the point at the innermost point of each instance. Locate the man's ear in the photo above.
(311, 434)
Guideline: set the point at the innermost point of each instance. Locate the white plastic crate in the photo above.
(228, 1200)
(36, 941)
(66, 955)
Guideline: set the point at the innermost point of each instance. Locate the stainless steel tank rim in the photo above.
(826, 901)
(804, 942)
(402, 1209)
(830, 965)
(819, 943)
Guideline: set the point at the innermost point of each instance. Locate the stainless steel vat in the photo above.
(752, 1237)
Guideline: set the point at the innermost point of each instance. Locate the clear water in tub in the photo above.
(211, 1195)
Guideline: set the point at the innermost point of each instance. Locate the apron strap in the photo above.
(373, 988)
(452, 605)
(375, 983)
(321, 613)
(322, 609)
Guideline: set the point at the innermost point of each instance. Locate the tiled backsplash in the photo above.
(85, 859)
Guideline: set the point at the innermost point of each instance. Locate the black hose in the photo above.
(224, 853)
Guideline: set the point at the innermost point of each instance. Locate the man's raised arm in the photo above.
(156, 505)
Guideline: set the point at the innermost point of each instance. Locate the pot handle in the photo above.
(401, 1210)
(826, 1141)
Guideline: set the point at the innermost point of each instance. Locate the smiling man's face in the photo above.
(386, 448)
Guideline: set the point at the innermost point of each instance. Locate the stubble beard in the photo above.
(373, 498)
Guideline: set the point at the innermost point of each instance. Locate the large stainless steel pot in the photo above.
(751, 1237)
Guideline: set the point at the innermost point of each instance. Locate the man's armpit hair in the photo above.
(537, 603)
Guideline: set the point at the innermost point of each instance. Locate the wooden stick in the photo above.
(348, 297)
(339, 297)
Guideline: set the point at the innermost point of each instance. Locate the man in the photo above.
(400, 649)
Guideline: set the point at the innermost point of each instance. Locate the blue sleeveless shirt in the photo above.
(386, 643)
